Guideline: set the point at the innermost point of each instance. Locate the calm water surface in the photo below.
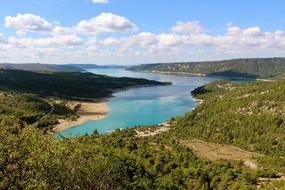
(146, 105)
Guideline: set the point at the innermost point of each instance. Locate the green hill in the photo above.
(261, 68)
(33, 110)
(249, 116)
(26, 107)
(68, 85)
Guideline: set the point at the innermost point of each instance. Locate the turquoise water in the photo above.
(146, 105)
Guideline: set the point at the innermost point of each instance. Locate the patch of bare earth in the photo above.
(214, 152)
(88, 111)
(154, 130)
(151, 131)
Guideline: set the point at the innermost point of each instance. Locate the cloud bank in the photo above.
(110, 38)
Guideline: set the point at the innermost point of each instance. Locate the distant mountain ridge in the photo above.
(257, 68)
(95, 66)
(55, 67)
(39, 67)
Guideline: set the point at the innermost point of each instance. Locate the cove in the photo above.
(143, 105)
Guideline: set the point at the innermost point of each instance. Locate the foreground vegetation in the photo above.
(33, 160)
(249, 116)
(262, 68)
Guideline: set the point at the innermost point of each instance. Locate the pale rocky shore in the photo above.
(89, 111)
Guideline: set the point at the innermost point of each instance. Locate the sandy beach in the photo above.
(89, 111)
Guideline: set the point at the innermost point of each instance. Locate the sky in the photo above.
(132, 32)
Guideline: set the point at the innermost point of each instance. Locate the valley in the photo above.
(214, 146)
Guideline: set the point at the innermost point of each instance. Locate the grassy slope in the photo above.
(248, 68)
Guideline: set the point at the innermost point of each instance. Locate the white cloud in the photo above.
(21, 33)
(28, 23)
(110, 42)
(185, 41)
(143, 40)
(59, 30)
(236, 40)
(2, 40)
(252, 31)
(105, 22)
(169, 39)
(233, 30)
(61, 41)
(99, 1)
(188, 27)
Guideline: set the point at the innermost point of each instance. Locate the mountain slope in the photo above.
(94, 66)
(263, 68)
(33, 110)
(250, 116)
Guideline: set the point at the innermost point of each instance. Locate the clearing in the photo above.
(214, 152)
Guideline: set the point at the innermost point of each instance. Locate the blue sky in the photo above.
(139, 31)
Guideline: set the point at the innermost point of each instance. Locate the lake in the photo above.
(144, 105)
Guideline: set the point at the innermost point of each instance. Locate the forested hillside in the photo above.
(68, 85)
(262, 68)
(33, 110)
(249, 116)
(116, 161)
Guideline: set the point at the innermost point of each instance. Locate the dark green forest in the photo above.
(68, 85)
(250, 116)
(31, 159)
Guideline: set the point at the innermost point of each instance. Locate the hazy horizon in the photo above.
(132, 64)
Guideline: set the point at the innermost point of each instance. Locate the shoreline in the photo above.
(204, 75)
(89, 111)
(97, 110)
